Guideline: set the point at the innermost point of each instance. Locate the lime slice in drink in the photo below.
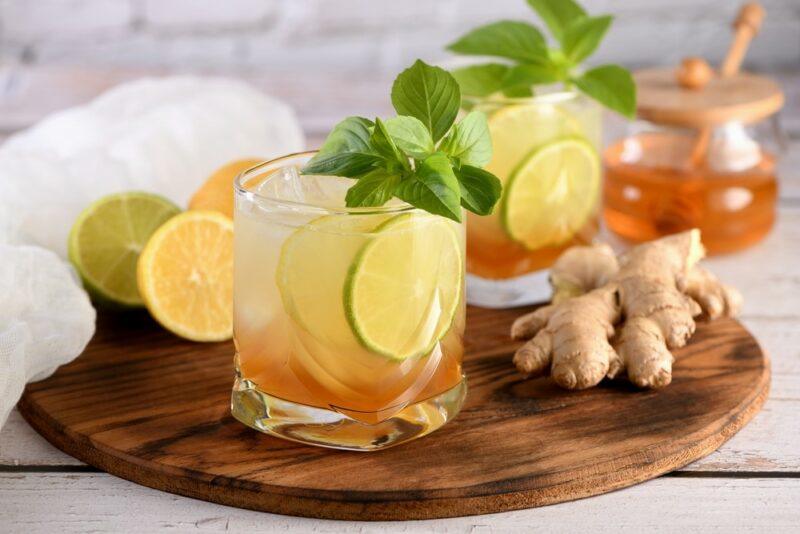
(552, 193)
(312, 269)
(404, 288)
(518, 129)
(106, 239)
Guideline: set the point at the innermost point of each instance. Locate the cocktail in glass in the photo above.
(348, 322)
(545, 153)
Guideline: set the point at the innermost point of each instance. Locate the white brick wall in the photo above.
(353, 35)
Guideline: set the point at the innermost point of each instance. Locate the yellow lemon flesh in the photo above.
(185, 276)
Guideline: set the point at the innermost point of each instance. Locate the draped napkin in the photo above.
(162, 135)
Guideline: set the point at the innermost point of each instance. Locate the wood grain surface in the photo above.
(148, 407)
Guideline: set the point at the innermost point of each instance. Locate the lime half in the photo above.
(106, 239)
(404, 288)
(552, 193)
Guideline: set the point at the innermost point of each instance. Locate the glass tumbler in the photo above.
(348, 322)
(545, 152)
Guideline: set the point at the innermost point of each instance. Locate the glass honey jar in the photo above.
(702, 153)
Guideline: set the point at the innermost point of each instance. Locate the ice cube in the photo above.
(283, 184)
(289, 185)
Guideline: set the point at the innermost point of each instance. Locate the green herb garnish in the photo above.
(530, 61)
(420, 156)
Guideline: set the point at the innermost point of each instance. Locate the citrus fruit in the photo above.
(185, 275)
(552, 193)
(312, 268)
(518, 129)
(404, 287)
(106, 239)
(216, 193)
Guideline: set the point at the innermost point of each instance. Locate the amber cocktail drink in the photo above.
(545, 154)
(348, 322)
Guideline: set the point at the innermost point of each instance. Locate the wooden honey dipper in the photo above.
(695, 73)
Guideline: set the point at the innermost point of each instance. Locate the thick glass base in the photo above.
(328, 428)
(508, 293)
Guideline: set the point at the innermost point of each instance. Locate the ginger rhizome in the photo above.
(610, 315)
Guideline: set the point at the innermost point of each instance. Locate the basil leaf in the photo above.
(480, 80)
(433, 188)
(557, 14)
(372, 189)
(428, 93)
(520, 79)
(507, 38)
(582, 37)
(518, 91)
(480, 189)
(383, 144)
(612, 86)
(411, 136)
(531, 74)
(346, 151)
(350, 135)
(346, 164)
(469, 141)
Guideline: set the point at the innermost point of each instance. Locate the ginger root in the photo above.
(610, 315)
(581, 269)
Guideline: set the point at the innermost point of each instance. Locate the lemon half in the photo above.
(185, 275)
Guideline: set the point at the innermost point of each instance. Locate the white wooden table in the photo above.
(752, 483)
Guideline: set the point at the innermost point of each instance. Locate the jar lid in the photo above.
(744, 97)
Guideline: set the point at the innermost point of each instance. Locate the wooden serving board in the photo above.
(148, 407)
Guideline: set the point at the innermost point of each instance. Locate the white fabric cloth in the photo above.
(165, 136)
(45, 318)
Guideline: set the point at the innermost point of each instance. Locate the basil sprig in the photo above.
(528, 61)
(422, 156)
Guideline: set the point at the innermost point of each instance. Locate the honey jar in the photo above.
(702, 152)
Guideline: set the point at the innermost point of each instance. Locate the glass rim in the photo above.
(280, 162)
(561, 95)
